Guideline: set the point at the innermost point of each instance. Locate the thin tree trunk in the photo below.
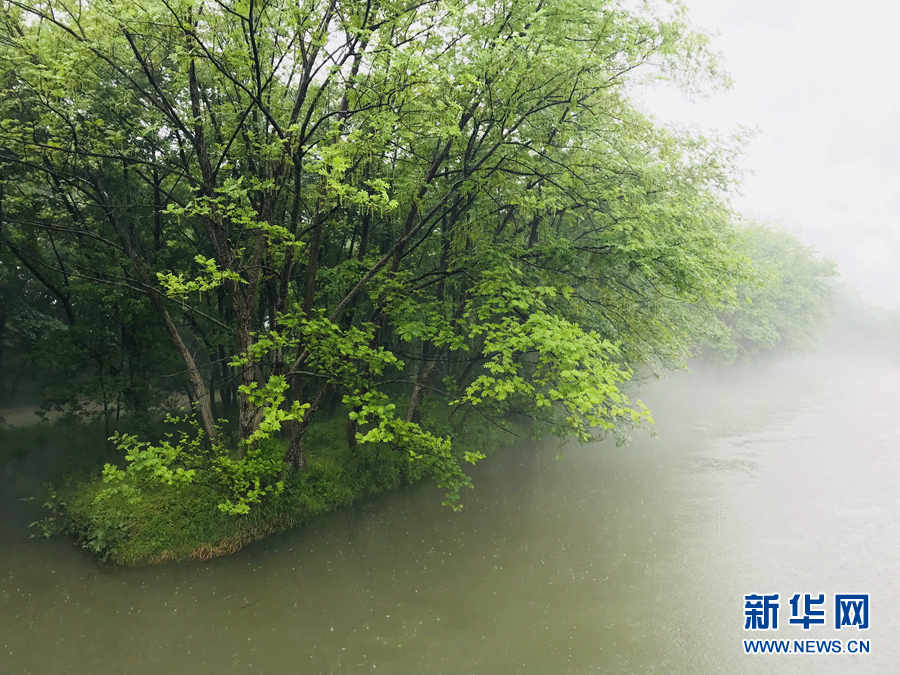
(419, 389)
(198, 385)
(296, 453)
(212, 390)
(3, 368)
(352, 428)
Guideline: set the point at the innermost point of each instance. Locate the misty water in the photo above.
(781, 479)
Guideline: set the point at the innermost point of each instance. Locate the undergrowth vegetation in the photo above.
(178, 522)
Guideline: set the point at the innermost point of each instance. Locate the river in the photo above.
(777, 479)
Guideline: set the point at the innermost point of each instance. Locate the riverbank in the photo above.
(183, 522)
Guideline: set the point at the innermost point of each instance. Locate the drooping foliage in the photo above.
(286, 210)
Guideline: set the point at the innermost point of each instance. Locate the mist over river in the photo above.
(780, 478)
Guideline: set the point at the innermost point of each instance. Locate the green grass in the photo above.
(176, 523)
(184, 522)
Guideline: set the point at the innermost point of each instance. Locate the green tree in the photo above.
(786, 306)
(367, 203)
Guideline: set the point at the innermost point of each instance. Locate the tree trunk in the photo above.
(419, 389)
(312, 267)
(296, 454)
(212, 389)
(3, 369)
(295, 457)
(198, 385)
(248, 418)
(352, 428)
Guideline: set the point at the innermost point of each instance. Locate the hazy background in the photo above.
(819, 81)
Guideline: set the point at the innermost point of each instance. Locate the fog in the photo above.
(817, 81)
(758, 474)
(780, 477)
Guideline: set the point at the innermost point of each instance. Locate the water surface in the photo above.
(603, 560)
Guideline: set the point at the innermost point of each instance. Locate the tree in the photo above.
(786, 306)
(371, 202)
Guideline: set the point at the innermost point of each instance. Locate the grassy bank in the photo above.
(184, 522)
(171, 523)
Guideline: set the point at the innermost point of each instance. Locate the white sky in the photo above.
(821, 83)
